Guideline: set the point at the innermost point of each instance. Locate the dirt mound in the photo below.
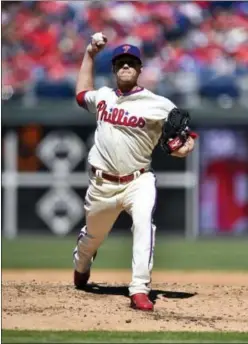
(183, 302)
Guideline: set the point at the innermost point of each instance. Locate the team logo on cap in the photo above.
(126, 48)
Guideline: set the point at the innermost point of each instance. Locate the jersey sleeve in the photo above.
(87, 100)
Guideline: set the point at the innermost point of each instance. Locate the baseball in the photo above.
(98, 38)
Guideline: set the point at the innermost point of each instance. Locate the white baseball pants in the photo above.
(103, 204)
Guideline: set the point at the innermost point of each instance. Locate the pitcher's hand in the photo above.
(98, 42)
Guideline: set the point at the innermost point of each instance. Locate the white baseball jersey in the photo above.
(128, 128)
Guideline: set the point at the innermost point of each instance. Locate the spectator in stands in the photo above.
(43, 42)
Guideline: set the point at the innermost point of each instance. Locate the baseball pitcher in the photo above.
(131, 121)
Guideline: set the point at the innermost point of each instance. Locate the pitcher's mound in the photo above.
(39, 300)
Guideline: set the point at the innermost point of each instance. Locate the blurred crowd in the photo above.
(193, 47)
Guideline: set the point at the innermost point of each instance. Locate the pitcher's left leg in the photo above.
(140, 203)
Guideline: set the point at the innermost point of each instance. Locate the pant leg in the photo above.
(140, 199)
(101, 214)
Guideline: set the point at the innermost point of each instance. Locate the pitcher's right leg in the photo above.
(90, 238)
(76, 253)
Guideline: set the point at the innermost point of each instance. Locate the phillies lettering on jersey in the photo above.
(128, 127)
(118, 116)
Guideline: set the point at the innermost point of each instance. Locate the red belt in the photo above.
(118, 179)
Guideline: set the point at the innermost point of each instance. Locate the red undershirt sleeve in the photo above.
(87, 100)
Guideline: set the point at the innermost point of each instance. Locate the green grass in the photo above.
(11, 336)
(115, 253)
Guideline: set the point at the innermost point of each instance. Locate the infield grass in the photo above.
(115, 253)
(11, 336)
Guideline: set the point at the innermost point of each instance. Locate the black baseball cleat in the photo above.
(81, 278)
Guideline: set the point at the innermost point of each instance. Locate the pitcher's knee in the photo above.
(142, 223)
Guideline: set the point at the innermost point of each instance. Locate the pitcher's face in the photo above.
(127, 69)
